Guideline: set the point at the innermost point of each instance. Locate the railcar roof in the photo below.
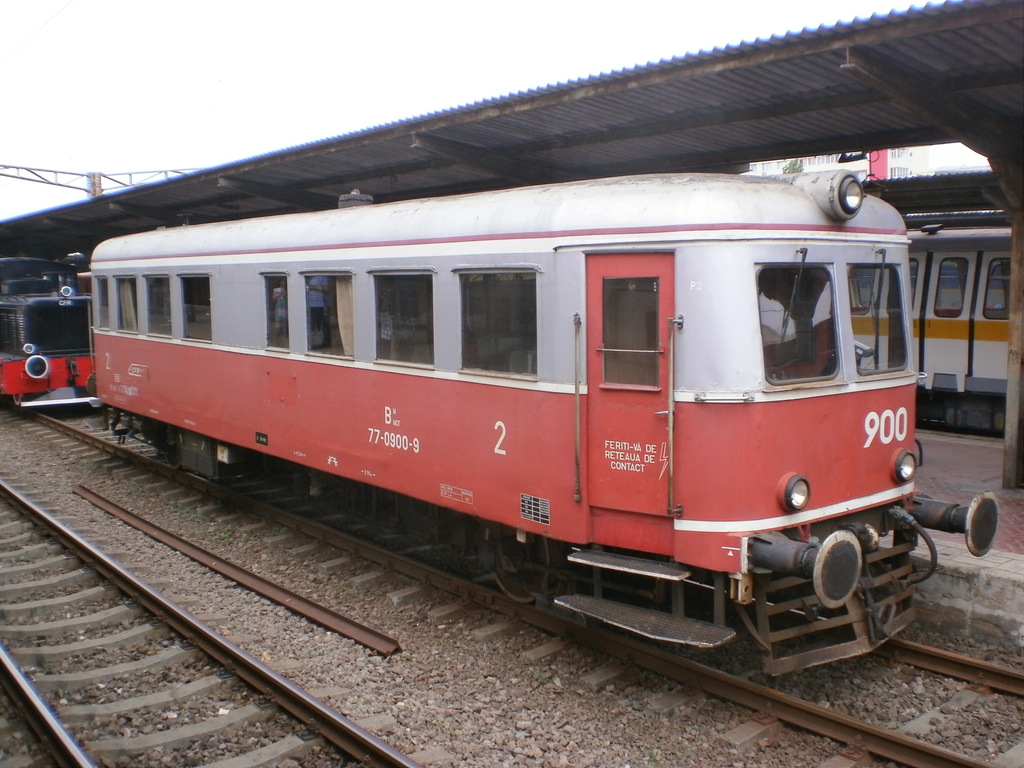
(616, 207)
(942, 72)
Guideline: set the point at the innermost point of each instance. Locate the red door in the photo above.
(629, 310)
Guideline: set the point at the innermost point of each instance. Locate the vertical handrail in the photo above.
(577, 323)
(675, 324)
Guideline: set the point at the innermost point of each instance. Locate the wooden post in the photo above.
(1013, 463)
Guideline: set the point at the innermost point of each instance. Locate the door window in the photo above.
(631, 343)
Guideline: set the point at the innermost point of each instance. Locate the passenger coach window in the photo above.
(630, 347)
(798, 329)
(102, 303)
(277, 310)
(127, 301)
(876, 303)
(949, 299)
(329, 314)
(158, 299)
(405, 318)
(996, 289)
(499, 322)
(197, 307)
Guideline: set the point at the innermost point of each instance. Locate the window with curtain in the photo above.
(127, 303)
(329, 325)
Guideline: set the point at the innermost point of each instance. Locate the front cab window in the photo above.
(876, 305)
(798, 326)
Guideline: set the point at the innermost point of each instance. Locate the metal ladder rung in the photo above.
(628, 564)
(656, 625)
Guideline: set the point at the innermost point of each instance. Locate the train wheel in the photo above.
(172, 453)
(524, 571)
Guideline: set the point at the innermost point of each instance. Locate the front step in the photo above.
(627, 564)
(657, 625)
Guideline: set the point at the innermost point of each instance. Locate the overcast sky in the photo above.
(122, 86)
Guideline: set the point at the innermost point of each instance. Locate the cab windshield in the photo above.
(876, 303)
(798, 326)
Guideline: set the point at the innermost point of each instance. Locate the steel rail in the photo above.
(53, 736)
(975, 671)
(326, 618)
(337, 729)
(880, 742)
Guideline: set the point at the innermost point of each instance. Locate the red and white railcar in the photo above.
(663, 385)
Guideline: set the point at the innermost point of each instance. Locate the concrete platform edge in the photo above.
(981, 598)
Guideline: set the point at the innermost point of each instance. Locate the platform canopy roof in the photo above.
(940, 73)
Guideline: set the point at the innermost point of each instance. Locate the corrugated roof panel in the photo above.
(783, 96)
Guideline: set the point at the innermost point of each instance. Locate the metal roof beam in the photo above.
(309, 201)
(981, 129)
(500, 164)
(695, 120)
(700, 161)
(165, 216)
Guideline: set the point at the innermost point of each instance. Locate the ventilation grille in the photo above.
(534, 509)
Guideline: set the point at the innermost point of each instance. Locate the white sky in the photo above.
(122, 86)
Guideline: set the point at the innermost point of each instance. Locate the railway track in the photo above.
(907, 747)
(86, 640)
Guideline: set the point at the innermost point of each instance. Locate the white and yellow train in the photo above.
(960, 281)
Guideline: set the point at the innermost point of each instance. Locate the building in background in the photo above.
(901, 163)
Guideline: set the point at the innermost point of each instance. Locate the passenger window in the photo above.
(198, 310)
(996, 290)
(127, 301)
(499, 322)
(879, 333)
(102, 303)
(949, 299)
(158, 300)
(405, 318)
(276, 289)
(798, 330)
(329, 314)
(630, 346)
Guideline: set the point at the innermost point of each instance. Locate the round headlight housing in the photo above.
(839, 194)
(849, 194)
(794, 492)
(904, 467)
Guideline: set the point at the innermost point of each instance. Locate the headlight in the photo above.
(795, 492)
(849, 194)
(905, 466)
(838, 193)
